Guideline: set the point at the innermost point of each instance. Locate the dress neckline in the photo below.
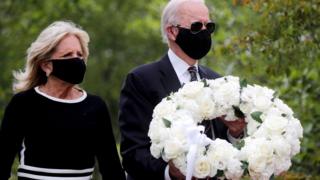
(69, 101)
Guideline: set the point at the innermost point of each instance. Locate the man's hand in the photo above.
(235, 127)
(175, 173)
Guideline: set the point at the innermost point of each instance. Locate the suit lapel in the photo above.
(169, 78)
(203, 74)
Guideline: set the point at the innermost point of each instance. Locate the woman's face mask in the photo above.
(70, 70)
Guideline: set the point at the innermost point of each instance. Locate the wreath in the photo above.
(272, 134)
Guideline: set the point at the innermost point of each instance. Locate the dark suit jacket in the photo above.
(143, 89)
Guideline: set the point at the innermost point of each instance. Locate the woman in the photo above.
(55, 126)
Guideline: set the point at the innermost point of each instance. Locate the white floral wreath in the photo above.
(272, 133)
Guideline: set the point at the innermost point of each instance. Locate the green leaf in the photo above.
(166, 122)
(243, 83)
(237, 112)
(239, 144)
(220, 173)
(274, 96)
(162, 152)
(169, 98)
(205, 82)
(257, 116)
(272, 177)
(245, 166)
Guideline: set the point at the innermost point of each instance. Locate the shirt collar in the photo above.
(179, 65)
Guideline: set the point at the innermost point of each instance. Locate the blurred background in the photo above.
(274, 43)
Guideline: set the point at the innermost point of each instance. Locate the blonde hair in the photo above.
(41, 50)
(170, 15)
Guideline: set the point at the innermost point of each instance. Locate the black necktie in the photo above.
(193, 73)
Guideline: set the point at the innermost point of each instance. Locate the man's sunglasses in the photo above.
(197, 27)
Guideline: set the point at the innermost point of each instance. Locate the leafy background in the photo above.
(268, 42)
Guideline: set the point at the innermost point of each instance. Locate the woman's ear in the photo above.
(172, 32)
(46, 66)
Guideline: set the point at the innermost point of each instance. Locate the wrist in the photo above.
(236, 134)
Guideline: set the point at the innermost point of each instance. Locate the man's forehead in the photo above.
(194, 16)
(193, 10)
(190, 17)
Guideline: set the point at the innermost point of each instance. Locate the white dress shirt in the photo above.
(181, 68)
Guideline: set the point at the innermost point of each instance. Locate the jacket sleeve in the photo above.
(107, 154)
(10, 138)
(136, 109)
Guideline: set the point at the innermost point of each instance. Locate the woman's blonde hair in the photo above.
(41, 50)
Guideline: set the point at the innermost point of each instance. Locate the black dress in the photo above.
(58, 139)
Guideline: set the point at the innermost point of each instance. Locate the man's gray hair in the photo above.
(170, 16)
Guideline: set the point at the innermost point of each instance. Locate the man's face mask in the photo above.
(195, 42)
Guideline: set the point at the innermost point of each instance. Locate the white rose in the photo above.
(283, 164)
(191, 89)
(220, 151)
(256, 97)
(262, 103)
(258, 153)
(281, 146)
(206, 104)
(294, 128)
(227, 94)
(172, 149)
(283, 107)
(165, 107)
(246, 107)
(252, 125)
(262, 132)
(157, 131)
(275, 123)
(182, 116)
(202, 167)
(234, 170)
(264, 91)
(295, 145)
(293, 133)
(156, 150)
(191, 107)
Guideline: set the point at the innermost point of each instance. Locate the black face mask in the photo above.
(70, 70)
(196, 45)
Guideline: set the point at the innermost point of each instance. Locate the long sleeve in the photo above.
(107, 154)
(10, 138)
(136, 109)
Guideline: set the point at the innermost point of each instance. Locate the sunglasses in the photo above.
(196, 27)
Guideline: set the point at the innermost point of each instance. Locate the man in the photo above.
(187, 29)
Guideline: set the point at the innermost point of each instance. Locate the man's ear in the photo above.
(46, 66)
(172, 32)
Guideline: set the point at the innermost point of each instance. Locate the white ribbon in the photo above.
(195, 138)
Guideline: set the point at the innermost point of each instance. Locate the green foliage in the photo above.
(166, 122)
(273, 43)
(240, 144)
(276, 43)
(257, 116)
